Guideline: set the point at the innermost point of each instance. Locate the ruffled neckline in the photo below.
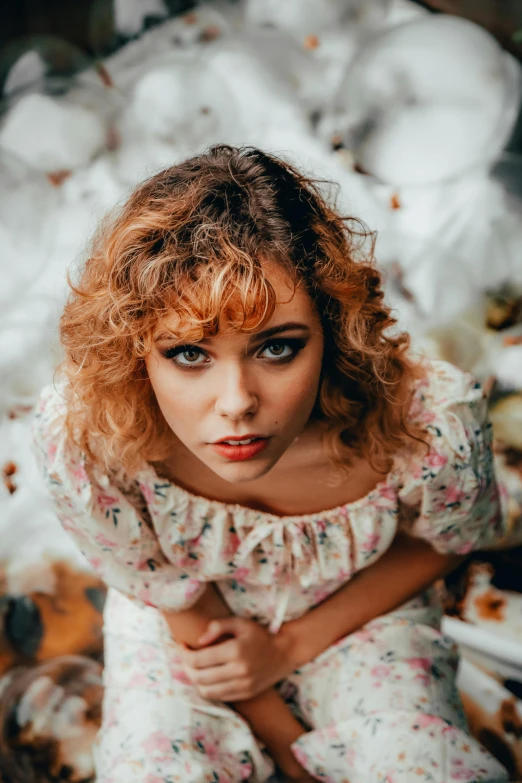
(383, 489)
(226, 540)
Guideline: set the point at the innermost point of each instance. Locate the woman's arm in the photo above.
(255, 660)
(189, 625)
(267, 714)
(406, 568)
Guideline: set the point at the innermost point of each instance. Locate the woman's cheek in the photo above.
(295, 396)
(172, 396)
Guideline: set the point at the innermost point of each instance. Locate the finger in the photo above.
(210, 656)
(226, 674)
(225, 693)
(218, 628)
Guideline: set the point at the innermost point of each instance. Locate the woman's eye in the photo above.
(275, 351)
(186, 356)
(278, 349)
(281, 350)
(191, 356)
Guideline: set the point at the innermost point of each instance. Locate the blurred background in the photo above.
(413, 110)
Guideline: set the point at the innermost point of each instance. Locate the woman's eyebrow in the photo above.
(272, 330)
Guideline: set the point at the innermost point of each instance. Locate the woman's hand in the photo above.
(247, 662)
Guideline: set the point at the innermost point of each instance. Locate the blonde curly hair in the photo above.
(192, 240)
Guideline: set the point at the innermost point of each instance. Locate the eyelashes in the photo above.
(191, 356)
(181, 350)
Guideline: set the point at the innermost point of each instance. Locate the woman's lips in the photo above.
(238, 453)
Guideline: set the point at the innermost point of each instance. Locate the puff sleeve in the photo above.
(117, 540)
(450, 495)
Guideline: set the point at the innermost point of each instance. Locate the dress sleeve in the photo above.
(449, 495)
(117, 540)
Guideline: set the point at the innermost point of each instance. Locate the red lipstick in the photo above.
(234, 453)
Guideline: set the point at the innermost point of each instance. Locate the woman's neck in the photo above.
(304, 481)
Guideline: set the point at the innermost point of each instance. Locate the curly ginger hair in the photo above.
(192, 240)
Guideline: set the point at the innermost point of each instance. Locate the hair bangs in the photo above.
(217, 297)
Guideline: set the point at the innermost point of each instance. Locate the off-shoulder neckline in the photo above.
(185, 497)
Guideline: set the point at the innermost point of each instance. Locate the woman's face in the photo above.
(258, 387)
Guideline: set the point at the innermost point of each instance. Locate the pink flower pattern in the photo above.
(379, 705)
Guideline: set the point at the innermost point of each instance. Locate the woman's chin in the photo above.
(242, 471)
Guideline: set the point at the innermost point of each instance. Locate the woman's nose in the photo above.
(235, 398)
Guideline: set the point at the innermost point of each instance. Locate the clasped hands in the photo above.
(237, 659)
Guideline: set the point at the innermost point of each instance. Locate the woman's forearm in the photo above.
(409, 566)
(189, 625)
(267, 714)
(273, 723)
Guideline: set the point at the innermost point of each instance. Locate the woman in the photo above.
(230, 373)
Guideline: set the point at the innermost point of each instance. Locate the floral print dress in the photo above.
(380, 705)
